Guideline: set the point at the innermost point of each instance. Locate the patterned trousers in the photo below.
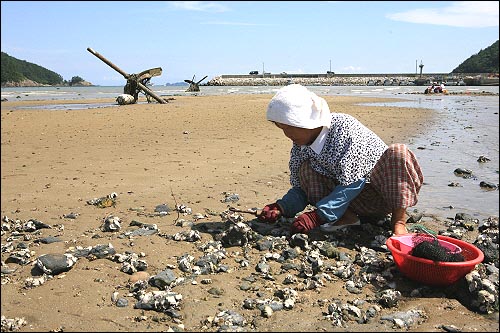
(395, 181)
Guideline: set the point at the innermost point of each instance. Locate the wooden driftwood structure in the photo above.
(194, 86)
(135, 82)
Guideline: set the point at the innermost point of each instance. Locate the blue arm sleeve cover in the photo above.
(294, 201)
(334, 205)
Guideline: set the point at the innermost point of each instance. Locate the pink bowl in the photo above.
(406, 244)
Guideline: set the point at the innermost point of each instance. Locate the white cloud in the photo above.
(465, 14)
(201, 6)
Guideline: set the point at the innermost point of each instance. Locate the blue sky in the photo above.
(211, 38)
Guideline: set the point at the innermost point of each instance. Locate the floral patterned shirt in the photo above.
(349, 153)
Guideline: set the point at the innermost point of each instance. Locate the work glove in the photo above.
(306, 222)
(270, 213)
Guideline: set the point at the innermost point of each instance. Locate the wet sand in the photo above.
(190, 151)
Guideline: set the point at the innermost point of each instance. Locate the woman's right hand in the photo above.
(270, 213)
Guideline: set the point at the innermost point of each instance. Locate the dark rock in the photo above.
(39, 225)
(300, 240)
(264, 244)
(102, 251)
(488, 185)
(162, 208)
(48, 240)
(464, 173)
(54, 264)
(163, 279)
(216, 291)
(489, 249)
(122, 302)
(289, 253)
(70, 216)
(329, 250)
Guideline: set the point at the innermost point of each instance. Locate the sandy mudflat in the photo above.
(190, 151)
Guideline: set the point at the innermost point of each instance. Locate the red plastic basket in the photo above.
(436, 273)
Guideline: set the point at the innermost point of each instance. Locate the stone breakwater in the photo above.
(382, 79)
(312, 81)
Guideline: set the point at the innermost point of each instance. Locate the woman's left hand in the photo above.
(306, 222)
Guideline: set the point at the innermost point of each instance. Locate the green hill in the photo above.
(486, 61)
(15, 70)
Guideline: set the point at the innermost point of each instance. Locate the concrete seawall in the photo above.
(341, 79)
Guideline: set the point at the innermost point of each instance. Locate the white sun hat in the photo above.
(297, 106)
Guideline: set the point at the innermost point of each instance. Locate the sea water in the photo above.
(468, 129)
(97, 92)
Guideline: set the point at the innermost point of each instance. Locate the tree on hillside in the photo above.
(9, 69)
(75, 80)
(485, 61)
(15, 70)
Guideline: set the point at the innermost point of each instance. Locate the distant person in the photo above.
(429, 89)
(443, 88)
(437, 88)
(339, 166)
